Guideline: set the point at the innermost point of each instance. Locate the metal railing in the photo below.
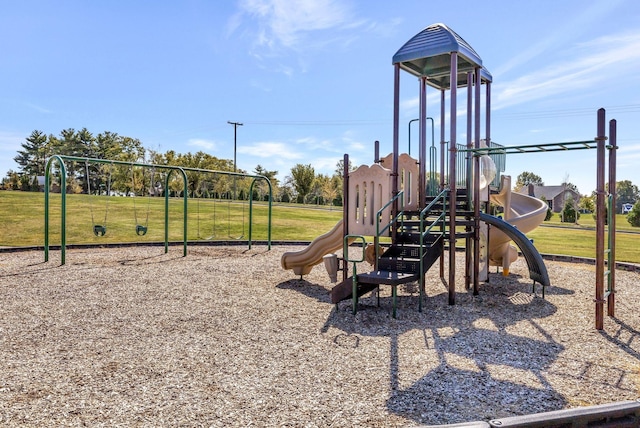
(394, 220)
(425, 231)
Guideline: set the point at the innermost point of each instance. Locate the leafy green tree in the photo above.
(331, 189)
(262, 186)
(587, 204)
(33, 156)
(303, 177)
(339, 171)
(634, 215)
(549, 211)
(626, 193)
(14, 180)
(569, 212)
(525, 178)
(338, 179)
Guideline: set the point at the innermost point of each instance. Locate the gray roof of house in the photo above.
(549, 192)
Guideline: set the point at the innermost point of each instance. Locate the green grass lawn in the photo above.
(587, 221)
(22, 223)
(22, 219)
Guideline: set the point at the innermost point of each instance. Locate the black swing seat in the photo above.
(141, 230)
(99, 230)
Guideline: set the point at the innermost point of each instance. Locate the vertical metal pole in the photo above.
(345, 212)
(469, 132)
(251, 210)
(63, 217)
(476, 188)
(487, 111)
(235, 139)
(600, 219)
(409, 131)
(433, 160)
(422, 171)
(611, 265)
(442, 144)
(469, 175)
(270, 209)
(166, 211)
(452, 179)
(396, 124)
(487, 130)
(63, 208)
(185, 204)
(46, 209)
(442, 136)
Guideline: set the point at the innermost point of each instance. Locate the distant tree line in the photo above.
(302, 185)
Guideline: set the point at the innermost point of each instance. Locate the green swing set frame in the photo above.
(101, 229)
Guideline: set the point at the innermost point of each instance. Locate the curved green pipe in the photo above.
(63, 203)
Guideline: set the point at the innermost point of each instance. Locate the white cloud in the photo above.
(592, 63)
(38, 108)
(204, 144)
(279, 28)
(579, 23)
(313, 143)
(270, 150)
(628, 155)
(286, 22)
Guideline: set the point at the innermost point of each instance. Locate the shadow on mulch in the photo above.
(460, 331)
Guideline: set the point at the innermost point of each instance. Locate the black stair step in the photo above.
(460, 235)
(344, 290)
(405, 238)
(404, 265)
(465, 222)
(415, 224)
(386, 277)
(411, 251)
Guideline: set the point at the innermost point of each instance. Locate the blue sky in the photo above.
(312, 79)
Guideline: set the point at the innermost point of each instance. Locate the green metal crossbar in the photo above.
(533, 148)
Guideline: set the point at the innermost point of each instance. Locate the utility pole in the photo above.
(235, 140)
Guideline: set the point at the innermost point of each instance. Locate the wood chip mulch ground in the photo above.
(225, 337)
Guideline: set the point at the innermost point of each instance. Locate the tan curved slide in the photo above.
(302, 261)
(521, 211)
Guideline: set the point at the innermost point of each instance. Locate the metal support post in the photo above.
(600, 219)
(452, 180)
(611, 264)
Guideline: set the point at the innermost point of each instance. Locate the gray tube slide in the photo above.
(537, 268)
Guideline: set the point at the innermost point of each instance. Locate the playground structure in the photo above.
(395, 198)
(99, 227)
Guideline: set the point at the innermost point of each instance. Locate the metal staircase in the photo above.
(418, 239)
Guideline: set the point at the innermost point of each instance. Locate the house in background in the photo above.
(556, 196)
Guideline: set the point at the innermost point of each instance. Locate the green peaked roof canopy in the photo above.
(428, 53)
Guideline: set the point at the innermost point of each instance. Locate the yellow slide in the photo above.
(302, 261)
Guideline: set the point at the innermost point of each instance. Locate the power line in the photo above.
(317, 122)
(630, 108)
